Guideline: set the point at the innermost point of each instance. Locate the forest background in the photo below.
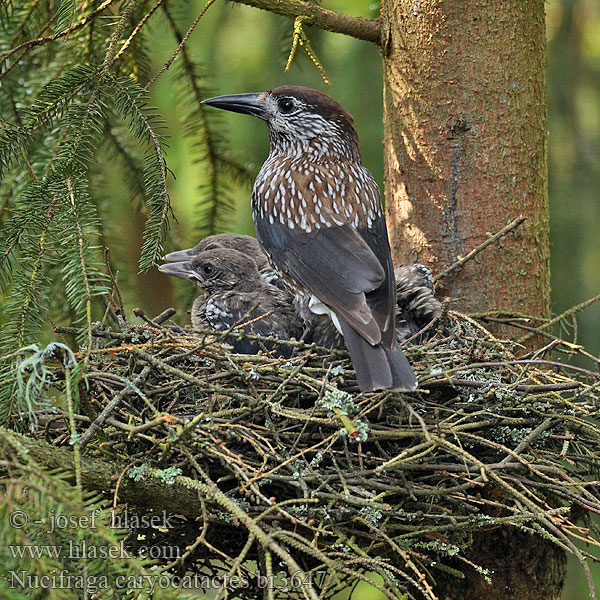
(244, 49)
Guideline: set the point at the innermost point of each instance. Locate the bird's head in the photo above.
(297, 116)
(216, 270)
(242, 243)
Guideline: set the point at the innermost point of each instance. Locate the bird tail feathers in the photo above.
(377, 367)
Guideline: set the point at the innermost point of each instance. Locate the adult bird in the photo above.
(236, 297)
(318, 217)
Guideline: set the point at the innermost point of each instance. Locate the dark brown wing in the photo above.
(335, 264)
(345, 259)
(382, 301)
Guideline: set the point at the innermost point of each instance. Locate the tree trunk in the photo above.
(465, 146)
(520, 566)
(465, 153)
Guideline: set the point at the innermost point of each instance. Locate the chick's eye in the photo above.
(208, 269)
(286, 105)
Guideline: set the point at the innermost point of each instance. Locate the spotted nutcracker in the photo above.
(236, 294)
(318, 217)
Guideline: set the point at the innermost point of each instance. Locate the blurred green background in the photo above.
(244, 49)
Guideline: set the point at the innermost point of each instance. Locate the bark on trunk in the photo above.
(465, 153)
(465, 145)
(517, 566)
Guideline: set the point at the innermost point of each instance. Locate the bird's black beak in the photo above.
(182, 270)
(179, 256)
(247, 104)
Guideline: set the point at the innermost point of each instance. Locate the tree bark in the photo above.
(465, 153)
(521, 566)
(465, 146)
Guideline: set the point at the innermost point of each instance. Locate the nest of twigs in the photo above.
(302, 479)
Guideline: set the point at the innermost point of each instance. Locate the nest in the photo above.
(305, 486)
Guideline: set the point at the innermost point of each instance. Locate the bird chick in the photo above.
(416, 304)
(245, 244)
(236, 295)
(318, 217)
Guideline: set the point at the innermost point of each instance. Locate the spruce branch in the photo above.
(181, 39)
(80, 127)
(82, 267)
(132, 163)
(131, 104)
(39, 41)
(136, 30)
(25, 50)
(22, 309)
(49, 104)
(65, 16)
(214, 204)
(26, 20)
(127, 10)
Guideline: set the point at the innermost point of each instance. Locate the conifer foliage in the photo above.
(74, 82)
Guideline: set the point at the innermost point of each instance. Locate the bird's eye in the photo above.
(286, 105)
(208, 269)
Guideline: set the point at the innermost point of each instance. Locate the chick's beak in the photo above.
(182, 270)
(247, 104)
